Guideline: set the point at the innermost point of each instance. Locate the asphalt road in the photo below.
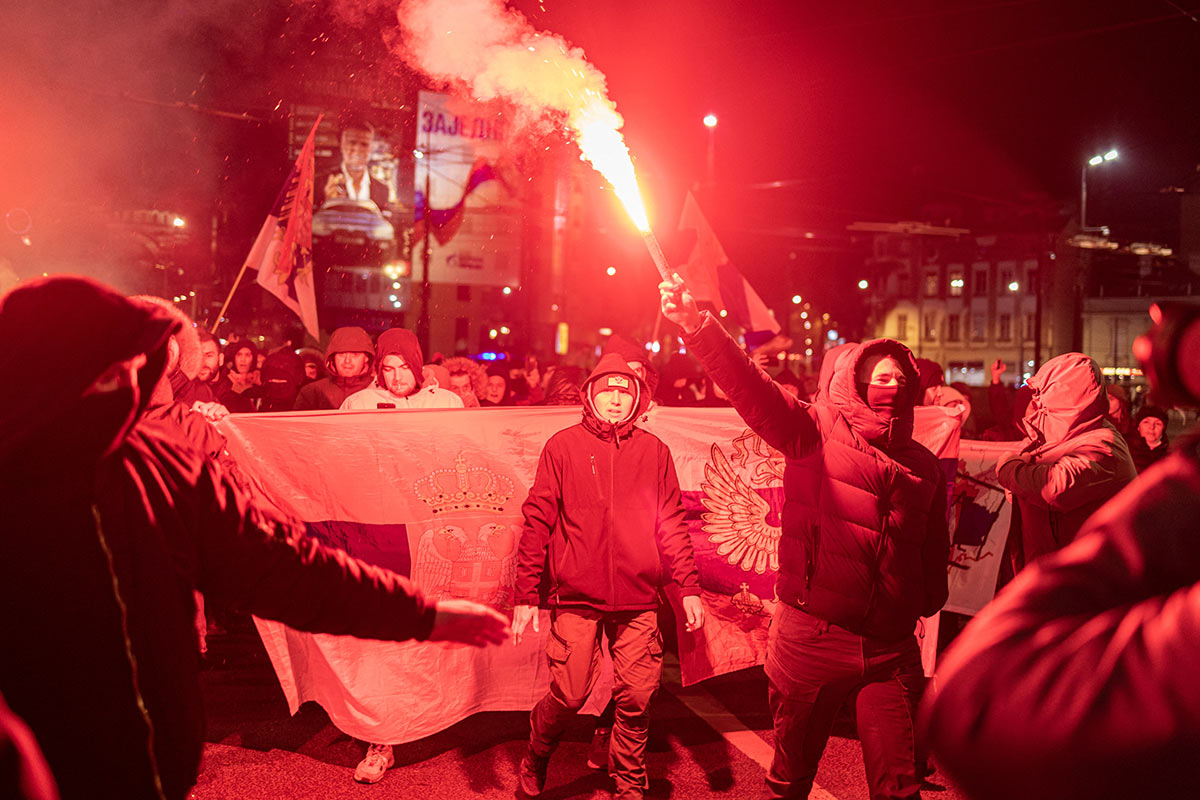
(707, 741)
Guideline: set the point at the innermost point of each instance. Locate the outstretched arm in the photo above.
(779, 418)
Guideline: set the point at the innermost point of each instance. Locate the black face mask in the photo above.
(884, 400)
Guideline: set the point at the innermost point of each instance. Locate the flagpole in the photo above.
(423, 321)
(228, 297)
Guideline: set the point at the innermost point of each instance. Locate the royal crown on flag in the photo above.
(464, 488)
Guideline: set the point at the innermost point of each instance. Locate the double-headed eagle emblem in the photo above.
(737, 518)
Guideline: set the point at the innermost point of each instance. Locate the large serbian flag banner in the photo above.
(436, 495)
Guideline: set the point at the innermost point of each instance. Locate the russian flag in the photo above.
(712, 278)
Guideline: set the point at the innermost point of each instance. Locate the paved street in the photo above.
(707, 741)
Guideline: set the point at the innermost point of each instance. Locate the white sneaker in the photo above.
(377, 761)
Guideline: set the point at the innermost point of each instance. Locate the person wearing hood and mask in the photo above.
(112, 523)
(399, 377)
(1071, 461)
(862, 555)
(282, 374)
(605, 518)
(348, 359)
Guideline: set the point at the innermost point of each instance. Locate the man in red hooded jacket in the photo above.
(862, 554)
(605, 517)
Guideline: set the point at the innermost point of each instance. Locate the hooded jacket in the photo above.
(864, 540)
(1072, 460)
(112, 521)
(604, 517)
(331, 392)
(403, 343)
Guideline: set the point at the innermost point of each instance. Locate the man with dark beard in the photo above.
(112, 522)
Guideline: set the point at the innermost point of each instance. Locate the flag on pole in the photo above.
(712, 278)
(282, 253)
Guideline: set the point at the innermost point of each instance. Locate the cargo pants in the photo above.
(573, 654)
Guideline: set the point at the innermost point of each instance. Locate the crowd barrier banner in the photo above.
(436, 495)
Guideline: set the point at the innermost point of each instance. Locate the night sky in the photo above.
(829, 112)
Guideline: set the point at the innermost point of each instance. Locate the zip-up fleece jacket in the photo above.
(865, 542)
(604, 517)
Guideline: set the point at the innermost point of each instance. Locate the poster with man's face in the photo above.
(360, 213)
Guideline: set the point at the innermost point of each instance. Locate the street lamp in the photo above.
(1094, 161)
(710, 122)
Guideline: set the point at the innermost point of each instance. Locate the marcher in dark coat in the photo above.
(1148, 443)
(605, 518)
(112, 523)
(1078, 682)
(1071, 462)
(282, 375)
(863, 550)
(349, 358)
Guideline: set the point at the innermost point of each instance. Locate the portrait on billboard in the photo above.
(355, 189)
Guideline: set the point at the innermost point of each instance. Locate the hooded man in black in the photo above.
(111, 523)
(349, 359)
(605, 506)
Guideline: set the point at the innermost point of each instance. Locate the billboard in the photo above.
(472, 226)
(362, 196)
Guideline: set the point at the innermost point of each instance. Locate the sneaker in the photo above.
(377, 761)
(531, 775)
(598, 751)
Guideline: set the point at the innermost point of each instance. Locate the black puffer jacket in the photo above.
(606, 506)
(864, 542)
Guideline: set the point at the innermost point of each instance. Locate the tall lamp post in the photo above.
(1094, 161)
(710, 177)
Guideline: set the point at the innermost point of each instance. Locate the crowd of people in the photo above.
(130, 511)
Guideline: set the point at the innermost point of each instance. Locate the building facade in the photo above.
(960, 299)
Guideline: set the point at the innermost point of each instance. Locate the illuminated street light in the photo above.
(796, 299)
(1014, 286)
(710, 161)
(1094, 161)
(863, 284)
(611, 271)
(178, 222)
(507, 290)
